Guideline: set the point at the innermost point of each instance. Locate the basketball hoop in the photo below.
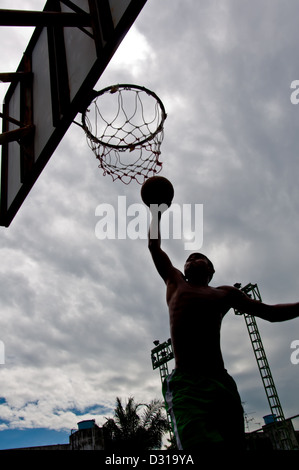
(124, 129)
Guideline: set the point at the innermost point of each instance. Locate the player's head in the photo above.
(196, 264)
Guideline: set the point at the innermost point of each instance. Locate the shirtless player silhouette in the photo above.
(201, 397)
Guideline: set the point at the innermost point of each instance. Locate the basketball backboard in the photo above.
(73, 42)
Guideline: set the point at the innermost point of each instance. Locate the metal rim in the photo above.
(111, 89)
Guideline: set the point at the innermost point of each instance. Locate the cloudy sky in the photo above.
(78, 315)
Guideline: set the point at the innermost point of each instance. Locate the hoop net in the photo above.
(124, 129)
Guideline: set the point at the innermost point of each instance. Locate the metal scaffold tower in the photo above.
(282, 427)
(160, 355)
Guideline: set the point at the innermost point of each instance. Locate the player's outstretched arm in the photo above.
(272, 313)
(161, 260)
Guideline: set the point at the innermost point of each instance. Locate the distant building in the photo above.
(274, 435)
(89, 436)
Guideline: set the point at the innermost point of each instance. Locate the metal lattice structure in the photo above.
(160, 356)
(264, 369)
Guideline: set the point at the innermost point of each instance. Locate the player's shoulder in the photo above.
(229, 290)
(175, 275)
(234, 296)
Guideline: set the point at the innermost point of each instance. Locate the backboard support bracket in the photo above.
(23, 134)
(42, 18)
(16, 135)
(77, 9)
(102, 23)
(11, 77)
(60, 92)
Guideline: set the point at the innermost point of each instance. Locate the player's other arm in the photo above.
(161, 260)
(271, 313)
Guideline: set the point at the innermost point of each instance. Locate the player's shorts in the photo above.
(205, 412)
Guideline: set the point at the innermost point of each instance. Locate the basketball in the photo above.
(157, 190)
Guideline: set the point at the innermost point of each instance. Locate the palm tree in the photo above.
(136, 427)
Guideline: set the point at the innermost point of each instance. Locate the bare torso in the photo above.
(196, 313)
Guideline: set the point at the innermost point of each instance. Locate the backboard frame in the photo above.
(107, 29)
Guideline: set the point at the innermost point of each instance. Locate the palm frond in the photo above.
(137, 426)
